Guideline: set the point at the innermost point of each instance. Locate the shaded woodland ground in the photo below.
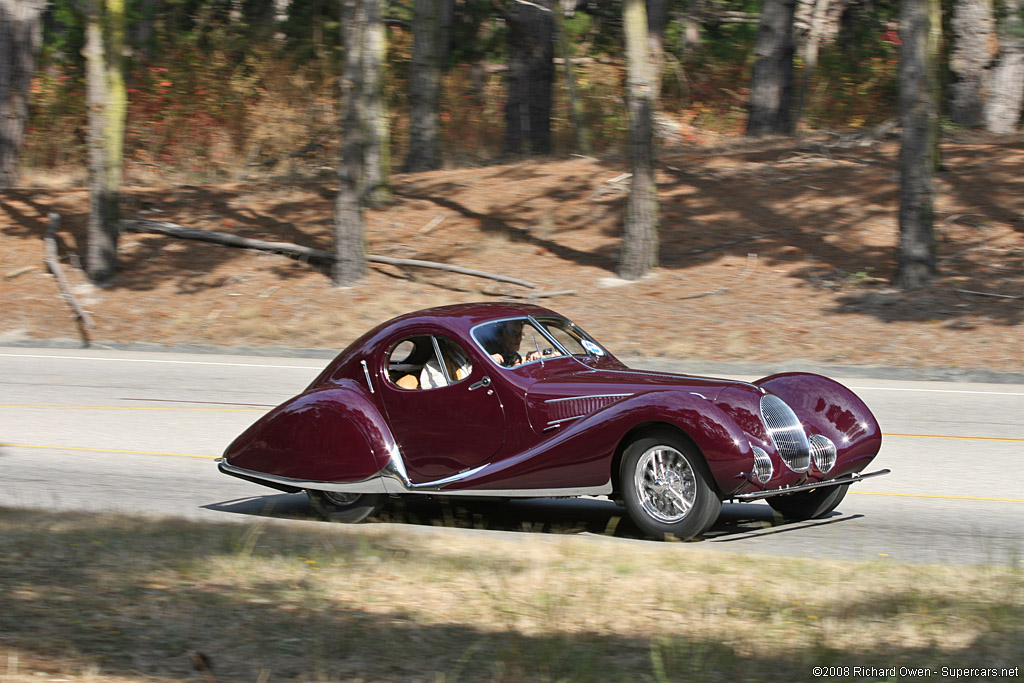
(770, 251)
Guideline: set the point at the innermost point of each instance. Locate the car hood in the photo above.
(562, 398)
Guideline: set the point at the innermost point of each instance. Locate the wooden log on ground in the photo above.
(85, 321)
(321, 256)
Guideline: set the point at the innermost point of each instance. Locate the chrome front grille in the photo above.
(823, 452)
(786, 433)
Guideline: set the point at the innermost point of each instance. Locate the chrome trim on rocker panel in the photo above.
(844, 481)
(394, 480)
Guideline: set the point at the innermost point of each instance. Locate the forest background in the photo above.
(240, 103)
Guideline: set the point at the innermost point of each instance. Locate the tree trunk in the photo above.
(657, 21)
(377, 156)
(107, 103)
(579, 123)
(20, 39)
(350, 261)
(918, 75)
(425, 88)
(975, 47)
(1006, 88)
(530, 75)
(772, 82)
(809, 48)
(640, 231)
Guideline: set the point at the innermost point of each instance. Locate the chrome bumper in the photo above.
(852, 479)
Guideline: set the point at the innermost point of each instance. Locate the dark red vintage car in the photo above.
(509, 400)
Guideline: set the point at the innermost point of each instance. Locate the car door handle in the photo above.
(485, 382)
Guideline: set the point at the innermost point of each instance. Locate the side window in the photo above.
(413, 363)
(455, 366)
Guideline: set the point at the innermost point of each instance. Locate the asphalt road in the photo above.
(133, 432)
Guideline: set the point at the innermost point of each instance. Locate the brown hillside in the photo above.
(769, 252)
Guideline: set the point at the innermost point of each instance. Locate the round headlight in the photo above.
(762, 465)
(823, 452)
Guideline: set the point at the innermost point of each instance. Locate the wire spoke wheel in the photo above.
(667, 487)
(347, 508)
(666, 484)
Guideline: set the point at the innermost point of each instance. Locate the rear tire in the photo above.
(667, 487)
(811, 504)
(347, 508)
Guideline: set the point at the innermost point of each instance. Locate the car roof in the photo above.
(466, 316)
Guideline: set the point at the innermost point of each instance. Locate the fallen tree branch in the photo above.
(998, 296)
(751, 264)
(85, 321)
(298, 251)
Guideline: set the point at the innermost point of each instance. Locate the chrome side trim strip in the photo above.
(388, 482)
(366, 372)
(577, 398)
(554, 423)
(853, 479)
(373, 484)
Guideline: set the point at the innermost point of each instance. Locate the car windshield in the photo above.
(572, 338)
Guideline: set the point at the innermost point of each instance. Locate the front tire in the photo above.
(666, 487)
(347, 508)
(812, 504)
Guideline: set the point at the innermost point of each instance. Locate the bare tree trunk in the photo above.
(530, 76)
(425, 88)
(377, 156)
(772, 82)
(350, 260)
(809, 49)
(975, 47)
(107, 103)
(919, 30)
(657, 20)
(579, 123)
(1003, 107)
(640, 231)
(20, 39)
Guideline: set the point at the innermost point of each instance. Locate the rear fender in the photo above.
(332, 434)
(826, 407)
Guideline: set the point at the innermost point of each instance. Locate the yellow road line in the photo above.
(944, 436)
(216, 410)
(938, 495)
(106, 450)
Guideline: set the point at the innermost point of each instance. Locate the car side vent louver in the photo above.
(786, 433)
(823, 452)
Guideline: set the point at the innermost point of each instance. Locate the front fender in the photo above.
(331, 434)
(827, 407)
(583, 452)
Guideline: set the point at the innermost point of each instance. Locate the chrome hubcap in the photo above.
(342, 498)
(665, 484)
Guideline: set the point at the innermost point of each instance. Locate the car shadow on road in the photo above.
(601, 517)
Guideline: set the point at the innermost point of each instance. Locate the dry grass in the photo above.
(107, 598)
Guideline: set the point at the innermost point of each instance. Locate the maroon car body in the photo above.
(562, 418)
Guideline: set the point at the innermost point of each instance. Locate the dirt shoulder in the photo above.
(770, 253)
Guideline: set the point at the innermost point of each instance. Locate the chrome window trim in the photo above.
(440, 359)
